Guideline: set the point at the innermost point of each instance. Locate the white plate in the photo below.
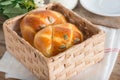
(102, 7)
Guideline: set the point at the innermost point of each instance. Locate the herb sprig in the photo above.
(12, 8)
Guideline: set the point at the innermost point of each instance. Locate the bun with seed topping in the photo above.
(49, 32)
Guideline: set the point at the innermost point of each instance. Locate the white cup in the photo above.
(70, 4)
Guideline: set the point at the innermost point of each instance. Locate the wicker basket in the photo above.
(64, 65)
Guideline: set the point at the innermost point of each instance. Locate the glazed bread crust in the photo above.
(36, 21)
(57, 38)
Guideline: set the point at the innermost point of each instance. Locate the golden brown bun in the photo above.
(57, 38)
(35, 21)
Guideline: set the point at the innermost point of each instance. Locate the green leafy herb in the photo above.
(11, 12)
(65, 37)
(12, 8)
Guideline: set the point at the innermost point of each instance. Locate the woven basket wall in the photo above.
(64, 65)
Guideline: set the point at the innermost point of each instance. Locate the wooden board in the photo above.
(2, 77)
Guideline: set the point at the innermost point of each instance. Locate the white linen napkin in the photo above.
(14, 69)
(99, 71)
